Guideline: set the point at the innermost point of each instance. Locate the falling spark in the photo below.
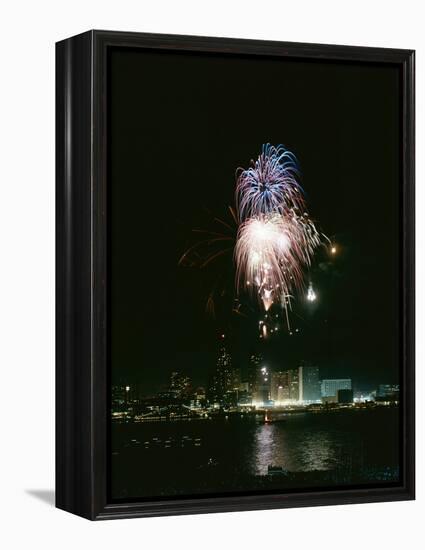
(214, 246)
(311, 295)
(272, 251)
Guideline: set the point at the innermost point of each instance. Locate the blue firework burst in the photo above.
(270, 185)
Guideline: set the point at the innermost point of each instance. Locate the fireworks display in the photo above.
(271, 236)
(276, 238)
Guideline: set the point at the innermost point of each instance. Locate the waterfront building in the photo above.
(279, 387)
(262, 386)
(388, 390)
(285, 386)
(387, 393)
(300, 385)
(223, 378)
(330, 386)
(119, 397)
(123, 396)
(294, 384)
(253, 367)
(309, 383)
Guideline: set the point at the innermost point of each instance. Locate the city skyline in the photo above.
(311, 380)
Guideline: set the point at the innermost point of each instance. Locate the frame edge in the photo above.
(74, 464)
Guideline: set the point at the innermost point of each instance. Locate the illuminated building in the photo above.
(180, 385)
(387, 393)
(124, 398)
(330, 386)
(198, 398)
(262, 386)
(235, 382)
(119, 397)
(244, 395)
(253, 367)
(388, 390)
(285, 386)
(279, 391)
(294, 384)
(223, 378)
(309, 378)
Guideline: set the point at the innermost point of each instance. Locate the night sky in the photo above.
(180, 125)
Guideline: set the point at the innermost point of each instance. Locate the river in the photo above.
(305, 450)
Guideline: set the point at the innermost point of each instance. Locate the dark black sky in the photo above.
(180, 125)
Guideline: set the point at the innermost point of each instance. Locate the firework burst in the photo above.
(276, 238)
(269, 185)
(270, 254)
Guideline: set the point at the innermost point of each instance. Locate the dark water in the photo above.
(210, 456)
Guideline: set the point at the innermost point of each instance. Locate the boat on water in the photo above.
(268, 419)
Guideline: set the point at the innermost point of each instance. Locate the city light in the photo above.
(269, 391)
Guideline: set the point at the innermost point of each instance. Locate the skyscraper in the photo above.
(222, 380)
(253, 367)
(294, 384)
(285, 386)
(262, 386)
(310, 390)
(279, 390)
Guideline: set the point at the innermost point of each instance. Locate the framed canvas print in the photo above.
(235, 274)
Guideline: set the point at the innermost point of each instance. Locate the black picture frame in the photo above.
(82, 274)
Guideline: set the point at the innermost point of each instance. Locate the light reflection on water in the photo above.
(234, 455)
(294, 450)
